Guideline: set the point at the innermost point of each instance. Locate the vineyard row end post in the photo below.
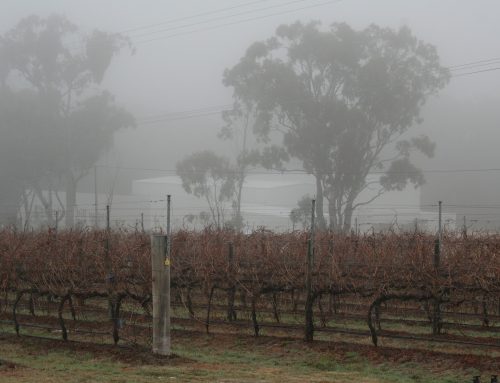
(309, 321)
(436, 312)
(160, 263)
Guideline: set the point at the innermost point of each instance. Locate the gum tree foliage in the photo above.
(230, 172)
(237, 129)
(18, 113)
(341, 102)
(57, 117)
(206, 175)
(250, 154)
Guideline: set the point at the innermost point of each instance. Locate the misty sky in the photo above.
(178, 71)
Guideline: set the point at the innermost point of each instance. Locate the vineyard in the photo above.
(83, 283)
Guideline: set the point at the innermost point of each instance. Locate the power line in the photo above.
(474, 206)
(81, 41)
(238, 22)
(215, 109)
(478, 71)
(474, 63)
(299, 171)
(152, 122)
(186, 112)
(182, 116)
(207, 13)
(475, 66)
(231, 16)
(471, 66)
(272, 207)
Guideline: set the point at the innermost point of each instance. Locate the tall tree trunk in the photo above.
(46, 202)
(319, 204)
(348, 217)
(242, 172)
(70, 199)
(332, 214)
(335, 210)
(238, 217)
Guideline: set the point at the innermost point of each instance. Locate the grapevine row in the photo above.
(375, 269)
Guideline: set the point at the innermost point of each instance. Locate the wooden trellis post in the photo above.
(309, 322)
(160, 262)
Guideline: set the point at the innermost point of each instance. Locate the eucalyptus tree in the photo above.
(250, 154)
(342, 102)
(61, 69)
(211, 177)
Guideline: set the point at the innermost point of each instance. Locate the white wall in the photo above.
(268, 200)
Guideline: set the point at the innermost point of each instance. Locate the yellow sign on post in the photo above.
(167, 262)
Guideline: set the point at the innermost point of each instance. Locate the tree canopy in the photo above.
(206, 175)
(341, 101)
(54, 114)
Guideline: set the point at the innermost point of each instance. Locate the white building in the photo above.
(268, 199)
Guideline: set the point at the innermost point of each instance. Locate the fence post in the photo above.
(437, 255)
(96, 202)
(169, 208)
(108, 264)
(113, 305)
(331, 299)
(160, 264)
(464, 231)
(309, 325)
(436, 311)
(231, 292)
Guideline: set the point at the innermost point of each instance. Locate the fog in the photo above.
(171, 82)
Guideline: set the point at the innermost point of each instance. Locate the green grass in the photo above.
(202, 358)
(240, 358)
